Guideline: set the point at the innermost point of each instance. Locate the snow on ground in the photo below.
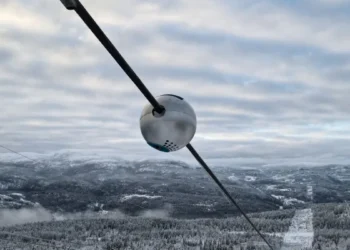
(201, 204)
(284, 189)
(250, 178)
(130, 196)
(18, 194)
(148, 169)
(271, 187)
(291, 201)
(284, 178)
(274, 187)
(310, 192)
(4, 186)
(287, 201)
(347, 212)
(300, 234)
(264, 233)
(5, 197)
(233, 178)
(207, 206)
(280, 197)
(142, 190)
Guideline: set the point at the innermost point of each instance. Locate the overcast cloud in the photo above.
(269, 80)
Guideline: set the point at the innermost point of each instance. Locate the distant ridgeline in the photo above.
(136, 186)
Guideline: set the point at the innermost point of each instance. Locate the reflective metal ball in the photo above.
(171, 130)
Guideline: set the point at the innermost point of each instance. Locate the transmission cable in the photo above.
(43, 242)
(15, 152)
(77, 6)
(90, 22)
(212, 175)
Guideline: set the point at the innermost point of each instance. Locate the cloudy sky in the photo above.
(269, 80)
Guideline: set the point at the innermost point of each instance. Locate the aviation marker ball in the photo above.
(171, 130)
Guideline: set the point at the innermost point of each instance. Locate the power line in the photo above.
(93, 26)
(31, 243)
(212, 175)
(15, 152)
(43, 242)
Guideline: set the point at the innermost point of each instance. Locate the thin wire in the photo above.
(100, 35)
(32, 243)
(43, 242)
(46, 241)
(13, 151)
(212, 175)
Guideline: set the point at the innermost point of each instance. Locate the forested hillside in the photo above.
(148, 233)
(131, 187)
(331, 226)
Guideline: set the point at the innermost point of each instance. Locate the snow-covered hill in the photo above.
(57, 182)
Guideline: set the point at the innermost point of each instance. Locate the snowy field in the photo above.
(300, 234)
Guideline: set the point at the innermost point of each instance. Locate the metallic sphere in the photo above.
(171, 130)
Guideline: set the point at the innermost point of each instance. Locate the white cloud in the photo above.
(267, 79)
(9, 217)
